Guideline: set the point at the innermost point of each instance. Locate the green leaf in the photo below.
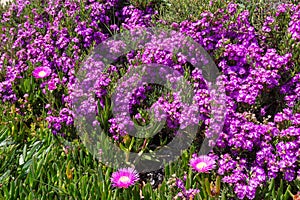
(218, 185)
(280, 189)
(4, 176)
(123, 148)
(207, 187)
(287, 193)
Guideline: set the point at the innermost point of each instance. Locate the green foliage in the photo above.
(180, 10)
(54, 168)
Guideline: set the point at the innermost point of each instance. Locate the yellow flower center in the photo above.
(201, 165)
(124, 179)
(42, 74)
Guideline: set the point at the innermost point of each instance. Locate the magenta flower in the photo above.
(187, 194)
(124, 177)
(202, 164)
(51, 86)
(41, 72)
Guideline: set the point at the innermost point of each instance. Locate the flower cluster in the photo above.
(180, 185)
(260, 136)
(50, 44)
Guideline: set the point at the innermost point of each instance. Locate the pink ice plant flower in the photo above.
(41, 72)
(203, 163)
(124, 177)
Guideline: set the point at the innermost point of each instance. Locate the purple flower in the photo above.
(124, 177)
(41, 72)
(202, 164)
(188, 194)
(51, 86)
(184, 193)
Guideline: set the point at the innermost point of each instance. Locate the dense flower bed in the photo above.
(260, 140)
